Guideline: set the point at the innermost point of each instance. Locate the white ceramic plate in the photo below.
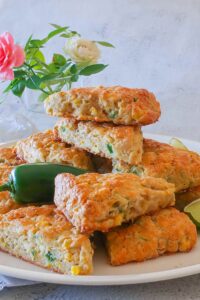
(162, 268)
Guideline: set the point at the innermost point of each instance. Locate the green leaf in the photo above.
(35, 43)
(105, 44)
(49, 77)
(27, 43)
(55, 25)
(53, 33)
(19, 88)
(53, 68)
(70, 34)
(40, 56)
(33, 82)
(59, 59)
(74, 78)
(11, 85)
(35, 58)
(92, 69)
(73, 69)
(19, 73)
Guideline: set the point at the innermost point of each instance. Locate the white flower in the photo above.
(82, 51)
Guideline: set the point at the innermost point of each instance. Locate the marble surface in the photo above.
(184, 289)
(157, 47)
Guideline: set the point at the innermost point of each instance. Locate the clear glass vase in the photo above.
(34, 108)
(14, 124)
(31, 101)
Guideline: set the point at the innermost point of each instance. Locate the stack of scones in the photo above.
(129, 193)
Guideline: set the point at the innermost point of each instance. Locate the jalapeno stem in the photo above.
(5, 187)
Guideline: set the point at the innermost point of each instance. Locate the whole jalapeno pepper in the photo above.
(34, 183)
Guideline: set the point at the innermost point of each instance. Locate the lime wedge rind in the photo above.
(177, 144)
(193, 211)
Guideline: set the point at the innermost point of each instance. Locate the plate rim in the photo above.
(100, 280)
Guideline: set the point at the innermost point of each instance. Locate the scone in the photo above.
(101, 201)
(9, 157)
(166, 231)
(42, 147)
(117, 104)
(107, 140)
(178, 166)
(43, 236)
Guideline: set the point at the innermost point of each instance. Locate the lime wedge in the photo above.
(193, 210)
(177, 144)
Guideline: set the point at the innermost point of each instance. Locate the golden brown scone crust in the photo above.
(185, 197)
(178, 166)
(4, 173)
(117, 104)
(6, 201)
(9, 157)
(104, 139)
(166, 231)
(101, 201)
(42, 147)
(43, 236)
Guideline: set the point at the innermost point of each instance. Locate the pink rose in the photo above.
(11, 56)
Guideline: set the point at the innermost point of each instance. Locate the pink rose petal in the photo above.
(11, 55)
(7, 75)
(18, 56)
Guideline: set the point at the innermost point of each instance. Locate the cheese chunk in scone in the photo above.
(42, 147)
(105, 139)
(43, 236)
(101, 201)
(166, 231)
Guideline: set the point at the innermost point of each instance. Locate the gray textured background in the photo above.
(158, 48)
